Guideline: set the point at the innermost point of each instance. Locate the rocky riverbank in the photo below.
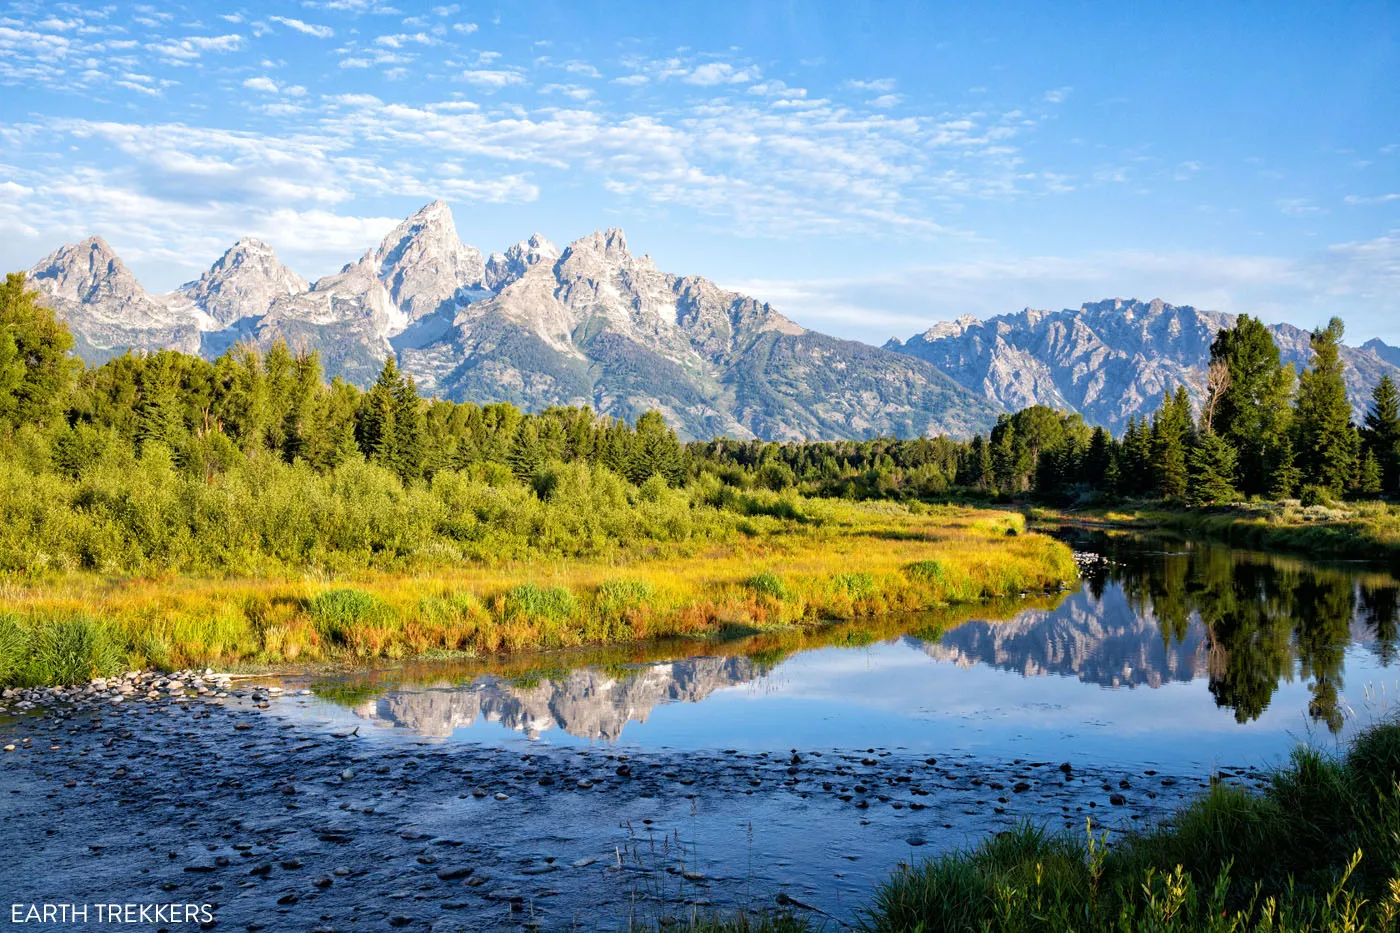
(192, 788)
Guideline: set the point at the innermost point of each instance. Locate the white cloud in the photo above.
(886, 101)
(310, 29)
(263, 84)
(1372, 199)
(400, 40)
(1058, 95)
(464, 28)
(183, 51)
(878, 85)
(713, 73)
(491, 78)
(582, 68)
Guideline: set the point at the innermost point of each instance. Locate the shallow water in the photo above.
(580, 789)
(1181, 656)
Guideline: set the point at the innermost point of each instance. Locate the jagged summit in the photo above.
(504, 268)
(535, 325)
(1110, 360)
(243, 282)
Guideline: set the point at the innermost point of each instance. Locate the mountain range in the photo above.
(1111, 360)
(591, 324)
(594, 324)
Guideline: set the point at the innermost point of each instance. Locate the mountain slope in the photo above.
(589, 325)
(1109, 360)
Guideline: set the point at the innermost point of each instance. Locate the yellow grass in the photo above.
(868, 561)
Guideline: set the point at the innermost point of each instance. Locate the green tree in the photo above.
(36, 372)
(1253, 410)
(1212, 471)
(1382, 433)
(1171, 440)
(1327, 443)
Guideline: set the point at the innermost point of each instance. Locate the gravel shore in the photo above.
(191, 788)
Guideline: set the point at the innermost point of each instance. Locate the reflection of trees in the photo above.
(1380, 605)
(1259, 611)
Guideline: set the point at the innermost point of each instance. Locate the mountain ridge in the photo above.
(1110, 360)
(591, 324)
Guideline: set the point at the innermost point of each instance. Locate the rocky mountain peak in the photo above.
(243, 282)
(424, 264)
(1110, 360)
(954, 328)
(507, 267)
(610, 244)
(88, 271)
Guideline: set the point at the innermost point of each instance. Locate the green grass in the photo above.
(1361, 530)
(847, 565)
(63, 650)
(1318, 850)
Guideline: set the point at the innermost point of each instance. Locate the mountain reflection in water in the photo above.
(1242, 625)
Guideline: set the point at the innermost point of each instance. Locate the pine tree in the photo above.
(408, 458)
(1171, 439)
(1285, 477)
(158, 415)
(376, 431)
(1252, 410)
(1368, 478)
(1382, 436)
(1327, 443)
(1212, 471)
(1098, 459)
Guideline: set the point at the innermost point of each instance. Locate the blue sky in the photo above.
(869, 168)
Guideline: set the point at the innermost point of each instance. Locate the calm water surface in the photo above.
(1181, 656)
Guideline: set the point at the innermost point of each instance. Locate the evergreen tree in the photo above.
(1252, 412)
(1285, 477)
(377, 431)
(1098, 460)
(1382, 436)
(1171, 439)
(1212, 471)
(1327, 443)
(408, 456)
(1135, 466)
(1368, 477)
(158, 415)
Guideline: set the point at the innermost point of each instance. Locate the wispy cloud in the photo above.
(310, 29)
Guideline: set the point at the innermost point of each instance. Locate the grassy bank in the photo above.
(835, 561)
(1359, 530)
(1317, 852)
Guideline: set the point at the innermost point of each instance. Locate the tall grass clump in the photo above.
(769, 584)
(1318, 850)
(341, 613)
(59, 651)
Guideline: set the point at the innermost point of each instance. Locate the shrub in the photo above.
(1312, 496)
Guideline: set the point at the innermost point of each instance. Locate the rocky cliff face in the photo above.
(593, 324)
(1109, 360)
(243, 282)
(107, 309)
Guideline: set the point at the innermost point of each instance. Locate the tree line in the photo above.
(1261, 430)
